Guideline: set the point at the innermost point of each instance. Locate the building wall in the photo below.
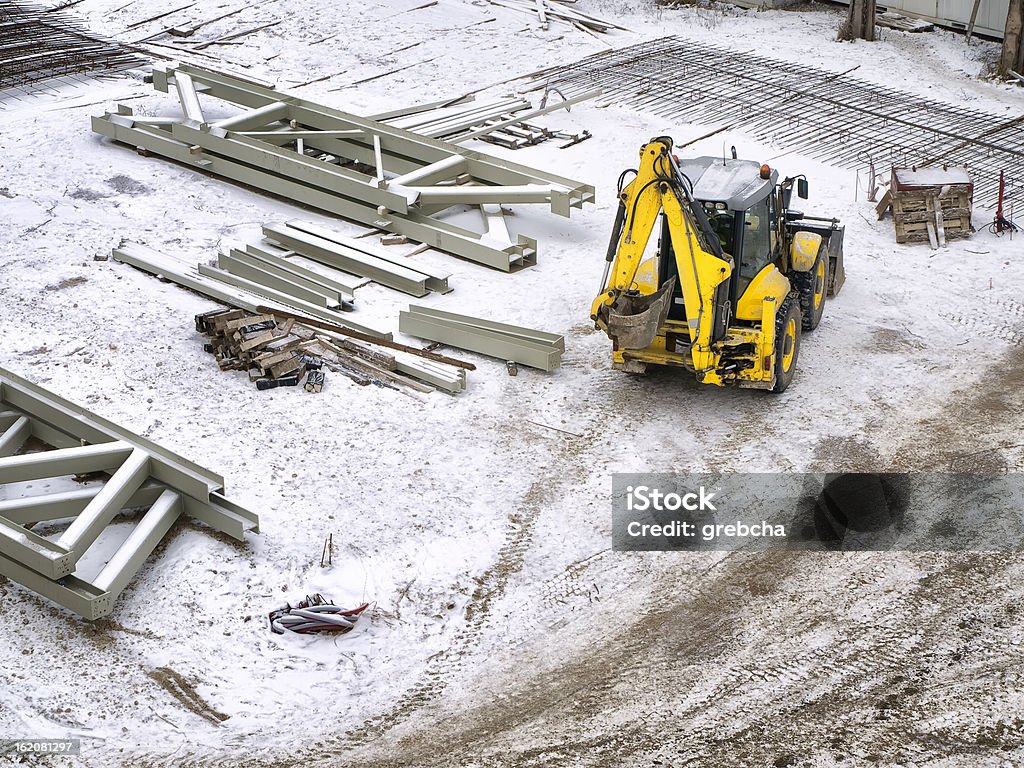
(954, 14)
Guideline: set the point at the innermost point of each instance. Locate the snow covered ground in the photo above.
(505, 632)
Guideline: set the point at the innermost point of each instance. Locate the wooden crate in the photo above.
(931, 204)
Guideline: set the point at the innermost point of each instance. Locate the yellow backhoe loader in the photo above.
(735, 277)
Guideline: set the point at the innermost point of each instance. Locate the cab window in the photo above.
(757, 242)
(722, 222)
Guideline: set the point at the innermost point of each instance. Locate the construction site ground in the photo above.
(505, 632)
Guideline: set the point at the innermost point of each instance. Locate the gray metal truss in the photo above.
(141, 475)
(363, 169)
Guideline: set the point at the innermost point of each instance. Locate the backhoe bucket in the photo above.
(635, 319)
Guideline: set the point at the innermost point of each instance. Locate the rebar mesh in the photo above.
(825, 114)
(40, 44)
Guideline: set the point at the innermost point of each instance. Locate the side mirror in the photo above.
(787, 194)
(801, 188)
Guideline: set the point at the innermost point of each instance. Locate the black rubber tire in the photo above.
(806, 284)
(789, 310)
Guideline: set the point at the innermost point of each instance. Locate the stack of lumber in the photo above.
(273, 355)
(537, 349)
(281, 352)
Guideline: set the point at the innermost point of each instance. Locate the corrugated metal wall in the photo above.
(955, 14)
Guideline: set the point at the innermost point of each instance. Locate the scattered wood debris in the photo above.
(547, 11)
(903, 23)
(522, 135)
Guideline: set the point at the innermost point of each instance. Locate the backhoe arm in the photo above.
(629, 311)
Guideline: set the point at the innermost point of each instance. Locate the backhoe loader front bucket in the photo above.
(634, 319)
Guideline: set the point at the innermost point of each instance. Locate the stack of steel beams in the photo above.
(356, 257)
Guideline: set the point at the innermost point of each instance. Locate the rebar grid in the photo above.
(39, 44)
(825, 114)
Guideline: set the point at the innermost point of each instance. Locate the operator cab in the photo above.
(742, 209)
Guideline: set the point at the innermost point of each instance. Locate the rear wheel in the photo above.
(813, 288)
(787, 342)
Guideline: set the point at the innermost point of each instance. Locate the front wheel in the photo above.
(787, 342)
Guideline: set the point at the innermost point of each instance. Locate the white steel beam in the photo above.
(250, 119)
(27, 510)
(340, 282)
(473, 194)
(15, 436)
(442, 170)
(288, 284)
(139, 545)
(66, 461)
(121, 486)
(188, 97)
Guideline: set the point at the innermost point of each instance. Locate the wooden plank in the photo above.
(884, 204)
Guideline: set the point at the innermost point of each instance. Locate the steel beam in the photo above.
(255, 158)
(290, 285)
(420, 108)
(73, 593)
(525, 346)
(592, 94)
(85, 427)
(189, 98)
(436, 279)
(142, 474)
(156, 263)
(441, 170)
(259, 117)
(296, 305)
(28, 510)
(302, 169)
(139, 545)
(14, 436)
(67, 461)
(349, 259)
(438, 234)
(396, 141)
(35, 551)
(531, 335)
(98, 513)
(344, 289)
(473, 194)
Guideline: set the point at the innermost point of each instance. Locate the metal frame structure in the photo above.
(141, 474)
(537, 349)
(828, 115)
(366, 170)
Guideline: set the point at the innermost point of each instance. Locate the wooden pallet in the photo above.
(931, 204)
